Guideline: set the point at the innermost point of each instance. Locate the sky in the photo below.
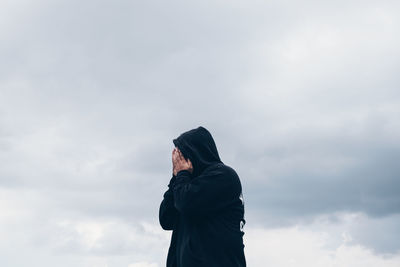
(301, 98)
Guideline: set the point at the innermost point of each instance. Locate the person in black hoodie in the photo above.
(203, 206)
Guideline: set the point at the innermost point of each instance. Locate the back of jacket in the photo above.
(205, 209)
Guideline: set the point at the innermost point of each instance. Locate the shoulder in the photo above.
(227, 169)
(223, 169)
(222, 176)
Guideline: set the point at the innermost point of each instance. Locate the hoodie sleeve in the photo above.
(213, 190)
(167, 212)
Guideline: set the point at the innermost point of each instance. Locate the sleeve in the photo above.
(167, 212)
(209, 192)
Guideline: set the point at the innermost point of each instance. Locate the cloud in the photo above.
(294, 247)
(143, 264)
(301, 98)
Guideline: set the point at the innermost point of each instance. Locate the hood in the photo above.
(199, 146)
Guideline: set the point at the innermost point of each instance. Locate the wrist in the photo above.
(183, 171)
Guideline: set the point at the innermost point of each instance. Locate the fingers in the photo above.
(174, 154)
(180, 155)
(179, 162)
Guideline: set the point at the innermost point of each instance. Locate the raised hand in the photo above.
(179, 162)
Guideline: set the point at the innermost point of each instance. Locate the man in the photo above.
(203, 206)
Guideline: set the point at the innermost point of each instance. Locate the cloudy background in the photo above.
(302, 98)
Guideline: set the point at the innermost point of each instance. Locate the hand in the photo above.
(179, 163)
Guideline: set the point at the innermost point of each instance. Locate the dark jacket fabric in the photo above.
(205, 210)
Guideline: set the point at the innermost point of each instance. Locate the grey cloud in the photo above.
(301, 99)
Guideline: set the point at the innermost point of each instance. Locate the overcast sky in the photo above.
(301, 97)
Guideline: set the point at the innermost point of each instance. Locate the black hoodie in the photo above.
(205, 209)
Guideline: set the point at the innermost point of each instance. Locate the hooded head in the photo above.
(198, 146)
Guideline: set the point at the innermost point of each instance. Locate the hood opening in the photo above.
(198, 145)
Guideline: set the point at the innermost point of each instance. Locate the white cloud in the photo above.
(301, 97)
(290, 247)
(143, 264)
